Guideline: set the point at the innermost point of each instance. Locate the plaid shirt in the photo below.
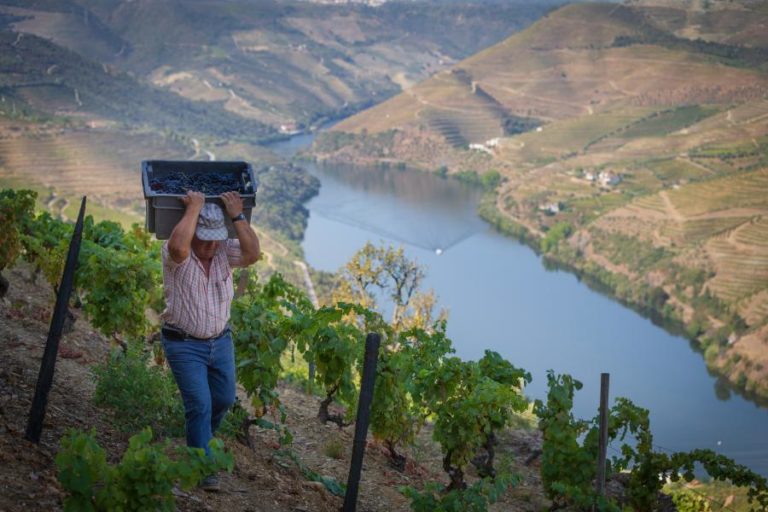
(195, 302)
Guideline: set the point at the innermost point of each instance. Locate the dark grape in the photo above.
(210, 184)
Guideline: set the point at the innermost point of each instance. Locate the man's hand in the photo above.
(249, 242)
(194, 201)
(233, 203)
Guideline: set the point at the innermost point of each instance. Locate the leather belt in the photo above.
(171, 332)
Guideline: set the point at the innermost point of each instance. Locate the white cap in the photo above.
(210, 223)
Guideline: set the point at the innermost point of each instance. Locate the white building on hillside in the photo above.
(609, 178)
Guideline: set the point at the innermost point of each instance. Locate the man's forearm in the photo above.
(249, 242)
(180, 242)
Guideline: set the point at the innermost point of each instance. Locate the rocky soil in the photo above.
(263, 480)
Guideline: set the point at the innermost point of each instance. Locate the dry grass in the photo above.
(746, 190)
(63, 165)
(697, 230)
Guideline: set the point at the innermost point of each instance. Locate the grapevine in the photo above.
(418, 378)
(568, 468)
(15, 211)
(261, 333)
(142, 480)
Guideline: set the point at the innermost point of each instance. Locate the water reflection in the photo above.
(431, 212)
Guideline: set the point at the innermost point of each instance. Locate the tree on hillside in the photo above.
(374, 272)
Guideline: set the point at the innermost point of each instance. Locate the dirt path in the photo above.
(676, 215)
(308, 283)
(516, 220)
(695, 164)
(731, 239)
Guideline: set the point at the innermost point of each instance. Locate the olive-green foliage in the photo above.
(261, 332)
(687, 501)
(469, 405)
(331, 141)
(376, 145)
(567, 470)
(283, 190)
(488, 180)
(555, 234)
(375, 270)
(638, 255)
(396, 417)
(269, 318)
(568, 466)
(733, 55)
(232, 425)
(142, 480)
(335, 346)
(475, 498)
(108, 254)
(16, 208)
(490, 213)
(667, 121)
(331, 484)
(139, 394)
(708, 496)
(45, 242)
(334, 449)
(113, 303)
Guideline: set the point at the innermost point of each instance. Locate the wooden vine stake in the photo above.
(48, 363)
(368, 380)
(603, 434)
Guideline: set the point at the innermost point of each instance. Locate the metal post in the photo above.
(368, 380)
(603, 440)
(48, 363)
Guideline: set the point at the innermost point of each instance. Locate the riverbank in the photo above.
(639, 267)
(745, 376)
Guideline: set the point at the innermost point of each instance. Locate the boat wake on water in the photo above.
(424, 236)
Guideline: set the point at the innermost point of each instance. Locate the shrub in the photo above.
(334, 449)
(475, 498)
(138, 394)
(142, 480)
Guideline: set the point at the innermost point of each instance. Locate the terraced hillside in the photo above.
(45, 80)
(650, 158)
(284, 62)
(63, 165)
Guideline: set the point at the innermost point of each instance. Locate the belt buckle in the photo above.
(174, 332)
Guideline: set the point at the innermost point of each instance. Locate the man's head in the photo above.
(210, 231)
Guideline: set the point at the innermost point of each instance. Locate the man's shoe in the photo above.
(210, 483)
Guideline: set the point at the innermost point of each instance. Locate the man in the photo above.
(197, 278)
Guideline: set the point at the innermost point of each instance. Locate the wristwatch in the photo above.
(240, 216)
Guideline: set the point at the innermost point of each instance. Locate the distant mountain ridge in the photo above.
(51, 79)
(285, 63)
(573, 62)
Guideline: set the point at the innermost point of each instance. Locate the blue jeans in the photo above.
(205, 374)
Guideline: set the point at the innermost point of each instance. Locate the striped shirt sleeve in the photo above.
(168, 260)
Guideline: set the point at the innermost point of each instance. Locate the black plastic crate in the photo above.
(164, 211)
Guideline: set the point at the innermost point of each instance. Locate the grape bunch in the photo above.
(210, 184)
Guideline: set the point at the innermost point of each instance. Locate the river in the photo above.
(500, 297)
